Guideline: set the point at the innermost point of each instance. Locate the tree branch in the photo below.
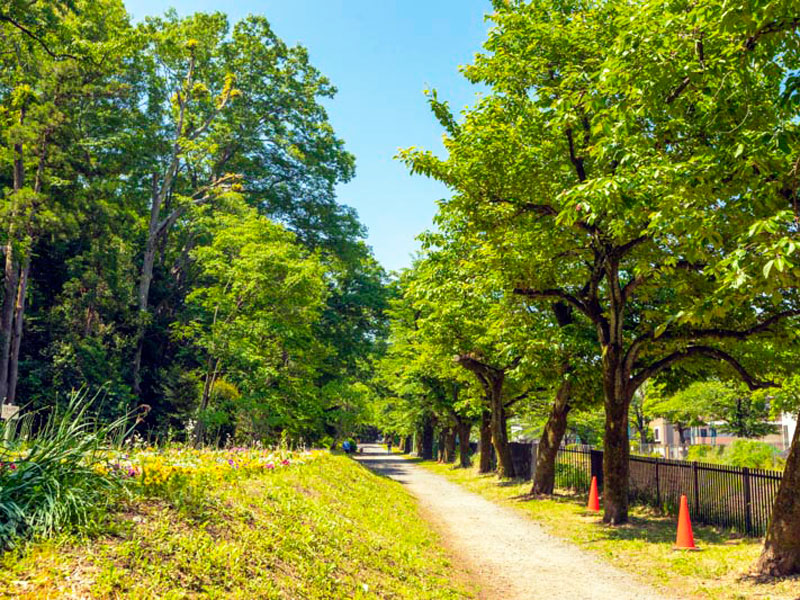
(27, 32)
(741, 334)
(788, 24)
(707, 351)
(555, 293)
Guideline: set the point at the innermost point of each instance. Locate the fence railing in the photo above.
(736, 498)
(732, 497)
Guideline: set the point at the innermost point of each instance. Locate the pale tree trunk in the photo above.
(440, 445)
(544, 478)
(155, 229)
(22, 284)
(19, 315)
(212, 370)
(781, 554)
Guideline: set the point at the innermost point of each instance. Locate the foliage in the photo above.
(741, 453)
(128, 149)
(641, 171)
(57, 480)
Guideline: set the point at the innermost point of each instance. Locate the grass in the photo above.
(644, 547)
(327, 529)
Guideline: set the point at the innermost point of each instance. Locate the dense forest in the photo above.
(172, 240)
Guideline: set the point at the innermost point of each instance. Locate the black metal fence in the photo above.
(733, 497)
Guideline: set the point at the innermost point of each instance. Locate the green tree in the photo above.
(258, 296)
(593, 190)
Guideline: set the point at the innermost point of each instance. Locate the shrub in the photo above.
(753, 454)
(60, 479)
(708, 454)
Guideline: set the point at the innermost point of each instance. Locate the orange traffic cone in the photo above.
(685, 539)
(594, 499)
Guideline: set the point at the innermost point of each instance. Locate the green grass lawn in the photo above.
(327, 529)
(643, 547)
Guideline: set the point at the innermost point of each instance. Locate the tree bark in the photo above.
(781, 554)
(450, 445)
(544, 478)
(426, 442)
(464, 429)
(485, 465)
(616, 456)
(408, 444)
(505, 466)
(16, 343)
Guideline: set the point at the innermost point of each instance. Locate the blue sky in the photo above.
(381, 55)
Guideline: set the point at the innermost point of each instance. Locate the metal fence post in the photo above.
(748, 507)
(696, 489)
(658, 487)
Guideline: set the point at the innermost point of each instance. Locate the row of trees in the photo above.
(623, 211)
(170, 228)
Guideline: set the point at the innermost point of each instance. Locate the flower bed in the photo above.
(153, 467)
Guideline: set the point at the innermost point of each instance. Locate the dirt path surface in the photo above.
(511, 557)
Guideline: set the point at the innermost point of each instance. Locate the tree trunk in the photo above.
(426, 443)
(19, 316)
(544, 478)
(440, 445)
(505, 466)
(616, 455)
(485, 465)
(146, 277)
(781, 554)
(464, 429)
(408, 444)
(11, 269)
(450, 445)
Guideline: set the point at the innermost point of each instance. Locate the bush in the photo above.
(753, 454)
(708, 454)
(60, 479)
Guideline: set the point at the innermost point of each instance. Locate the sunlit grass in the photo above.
(644, 547)
(325, 529)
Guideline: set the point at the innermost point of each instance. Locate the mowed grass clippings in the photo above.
(644, 547)
(329, 529)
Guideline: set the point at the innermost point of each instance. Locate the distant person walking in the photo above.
(389, 445)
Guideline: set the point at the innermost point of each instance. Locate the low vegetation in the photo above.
(644, 546)
(326, 528)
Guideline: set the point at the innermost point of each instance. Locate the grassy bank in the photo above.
(643, 547)
(324, 529)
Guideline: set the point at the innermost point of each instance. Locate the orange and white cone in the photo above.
(685, 538)
(594, 499)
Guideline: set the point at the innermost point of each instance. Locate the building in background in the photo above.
(667, 436)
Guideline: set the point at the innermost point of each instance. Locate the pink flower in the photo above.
(285, 462)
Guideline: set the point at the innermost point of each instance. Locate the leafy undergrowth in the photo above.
(644, 547)
(325, 529)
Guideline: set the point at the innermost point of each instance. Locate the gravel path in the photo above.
(510, 557)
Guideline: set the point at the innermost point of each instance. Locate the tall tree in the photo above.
(595, 191)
